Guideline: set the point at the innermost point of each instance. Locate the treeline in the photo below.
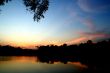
(16, 51)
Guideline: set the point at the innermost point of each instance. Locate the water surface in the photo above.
(26, 64)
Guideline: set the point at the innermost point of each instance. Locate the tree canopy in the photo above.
(37, 7)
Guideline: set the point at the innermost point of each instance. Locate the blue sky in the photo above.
(66, 21)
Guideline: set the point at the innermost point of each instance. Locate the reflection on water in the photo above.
(18, 59)
(26, 64)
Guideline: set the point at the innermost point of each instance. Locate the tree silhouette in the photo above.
(2, 2)
(37, 7)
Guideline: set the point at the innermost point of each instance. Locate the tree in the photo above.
(37, 7)
(2, 2)
(89, 42)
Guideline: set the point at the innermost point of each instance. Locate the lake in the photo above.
(32, 64)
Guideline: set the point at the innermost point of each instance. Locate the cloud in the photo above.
(88, 36)
(74, 16)
(94, 5)
(95, 35)
(77, 40)
(87, 21)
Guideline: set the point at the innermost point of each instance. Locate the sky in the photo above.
(66, 21)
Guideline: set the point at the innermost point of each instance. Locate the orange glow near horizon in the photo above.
(77, 40)
(29, 45)
(26, 40)
(24, 59)
(78, 64)
(31, 41)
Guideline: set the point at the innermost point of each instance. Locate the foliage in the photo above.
(38, 7)
(2, 2)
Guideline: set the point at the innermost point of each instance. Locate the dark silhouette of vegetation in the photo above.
(38, 7)
(16, 51)
(94, 55)
(2, 2)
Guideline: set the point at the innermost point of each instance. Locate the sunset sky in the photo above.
(66, 21)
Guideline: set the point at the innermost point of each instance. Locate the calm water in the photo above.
(25, 64)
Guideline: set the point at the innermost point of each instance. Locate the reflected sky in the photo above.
(25, 64)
